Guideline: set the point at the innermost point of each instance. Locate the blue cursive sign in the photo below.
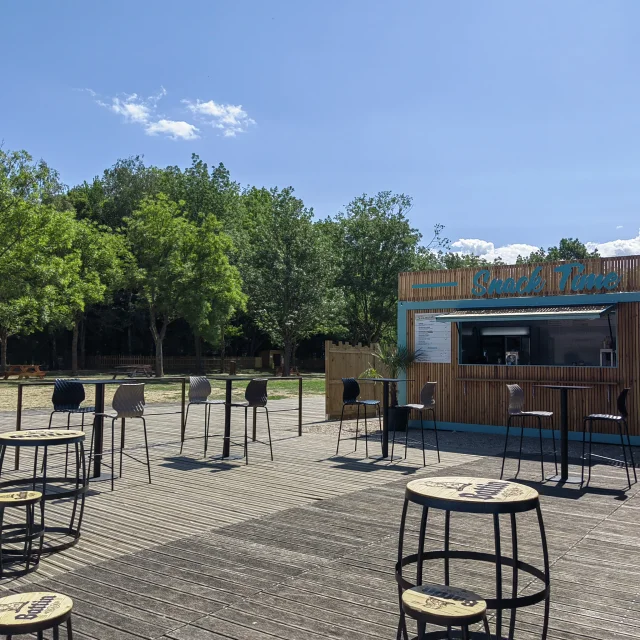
(572, 278)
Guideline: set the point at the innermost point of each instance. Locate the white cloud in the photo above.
(173, 128)
(144, 111)
(510, 252)
(619, 226)
(231, 119)
(487, 250)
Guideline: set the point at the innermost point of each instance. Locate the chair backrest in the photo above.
(516, 399)
(67, 395)
(622, 403)
(199, 389)
(256, 392)
(428, 394)
(350, 390)
(128, 401)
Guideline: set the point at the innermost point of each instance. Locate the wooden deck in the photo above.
(304, 547)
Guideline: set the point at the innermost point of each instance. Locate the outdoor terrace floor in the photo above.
(304, 547)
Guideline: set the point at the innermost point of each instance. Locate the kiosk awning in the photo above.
(585, 312)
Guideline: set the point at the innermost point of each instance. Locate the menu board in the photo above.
(433, 339)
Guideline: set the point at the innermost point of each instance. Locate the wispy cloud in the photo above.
(144, 111)
(510, 252)
(619, 226)
(231, 119)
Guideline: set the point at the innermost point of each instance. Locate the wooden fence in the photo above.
(178, 364)
(344, 360)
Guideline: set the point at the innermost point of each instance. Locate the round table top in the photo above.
(40, 437)
(478, 495)
(435, 601)
(19, 498)
(28, 612)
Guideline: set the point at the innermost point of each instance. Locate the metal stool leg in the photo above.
(186, 417)
(547, 578)
(113, 437)
(624, 454)
(465, 632)
(435, 429)
(246, 436)
(266, 413)
(357, 427)
(340, 429)
(633, 462)
(406, 439)
(402, 624)
(485, 624)
(366, 434)
(520, 450)
(496, 534)
(56, 633)
(424, 455)
(207, 420)
(506, 442)
(122, 440)
(421, 540)
(393, 441)
(514, 586)
(69, 630)
(380, 424)
(555, 456)
(541, 447)
(146, 446)
(590, 448)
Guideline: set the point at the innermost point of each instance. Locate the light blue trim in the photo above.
(523, 317)
(527, 301)
(434, 285)
(402, 342)
(604, 438)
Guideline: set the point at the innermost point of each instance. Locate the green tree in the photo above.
(374, 242)
(288, 271)
(181, 268)
(568, 249)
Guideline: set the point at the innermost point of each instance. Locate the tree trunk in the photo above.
(83, 344)
(158, 339)
(289, 350)
(54, 350)
(4, 339)
(222, 348)
(74, 347)
(198, 344)
(129, 328)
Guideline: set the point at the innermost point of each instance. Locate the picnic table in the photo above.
(24, 371)
(133, 370)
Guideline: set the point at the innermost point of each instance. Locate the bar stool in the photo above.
(18, 533)
(199, 392)
(25, 613)
(53, 488)
(445, 607)
(476, 496)
(256, 398)
(516, 404)
(622, 420)
(128, 402)
(427, 403)
(350, 395)
(67, 397)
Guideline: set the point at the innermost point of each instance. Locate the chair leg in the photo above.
(66, 453)
(393, 440)
(435, 429)
(122, 439)
(90, 453)
(506, 442)
(357, 427)
(520, 449)
(633, 462)
(584, 440)
(186, 417)
(366, 434)
(590, 447)
(146, 445)
(406, 439)
(380, 424)
(266, 413)
(624, 454)
(246, 437)
(541, 447)
(207, 422)
(424, 455)
(340, 429)
(50, 419)
(555, 456)
(113, 437)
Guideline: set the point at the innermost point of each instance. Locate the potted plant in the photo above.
(395, 360)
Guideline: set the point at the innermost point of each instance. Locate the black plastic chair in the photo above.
(256, 398)
(128, 402)
(622, 420)
(350, 395)
(516, 405)
(67, 397)
(199, 392)
(427, 403)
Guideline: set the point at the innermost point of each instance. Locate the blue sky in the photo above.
(509, 122)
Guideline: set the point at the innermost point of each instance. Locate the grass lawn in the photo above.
(156, 392)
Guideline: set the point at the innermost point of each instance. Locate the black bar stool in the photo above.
(516, 405)
(445, 607)
(25, 613)
(350, 395)
(476, 496)
(199, 392)
(52, 487)
(427, 403)
(21, 534)
(622, 420)
(255, 398)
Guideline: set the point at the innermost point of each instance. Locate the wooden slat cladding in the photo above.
(477, 394)
(627, 267)
(344, 360)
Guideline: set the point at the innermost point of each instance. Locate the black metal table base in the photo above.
(568, 480)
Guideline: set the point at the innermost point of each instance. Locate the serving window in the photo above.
(587, 340)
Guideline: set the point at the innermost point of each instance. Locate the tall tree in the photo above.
(568, 249)
(288, 271)
(375, 242)
(181, 268)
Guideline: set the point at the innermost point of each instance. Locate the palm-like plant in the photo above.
(395, 359)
